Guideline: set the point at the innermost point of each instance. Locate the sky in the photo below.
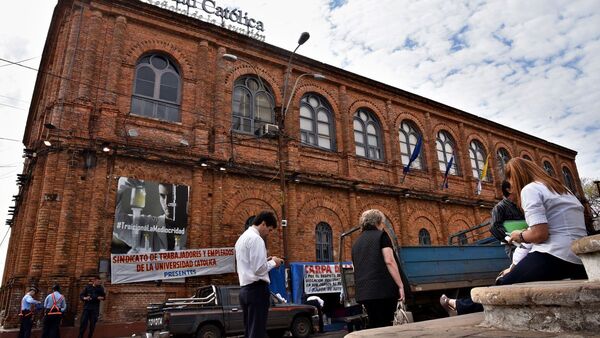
(531, 65)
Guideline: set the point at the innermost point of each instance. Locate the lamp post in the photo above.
(281, 141)
(286, 101)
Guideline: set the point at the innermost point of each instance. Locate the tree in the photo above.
(590, 189)
(592, 195)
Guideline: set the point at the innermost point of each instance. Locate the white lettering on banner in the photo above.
(322, 278)
(129, 268)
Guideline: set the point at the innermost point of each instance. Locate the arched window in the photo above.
(252, 105)
(568, 178)
(424, 237)
(249, 222)
(527, 157)
(549, 169)
(316, 122)
(478, 157)
(503, 157)
(445, 151)
(367, 135)
(157, 87)
(409, 135)
(324, 242)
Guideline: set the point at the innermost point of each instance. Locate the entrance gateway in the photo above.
(208, 11)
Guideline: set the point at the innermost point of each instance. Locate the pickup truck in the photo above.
(214, 312)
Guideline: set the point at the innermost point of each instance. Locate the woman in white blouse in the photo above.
(555, 219)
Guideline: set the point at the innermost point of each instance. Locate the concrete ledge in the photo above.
(588, 249)
(460, 326)
(586, 244)
(559, 306)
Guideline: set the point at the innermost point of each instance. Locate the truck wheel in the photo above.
(301, 327)
(209, 331)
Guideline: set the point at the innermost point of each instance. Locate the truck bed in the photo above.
(442, 267)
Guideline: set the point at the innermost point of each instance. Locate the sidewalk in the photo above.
(458, 327)
(102, 331)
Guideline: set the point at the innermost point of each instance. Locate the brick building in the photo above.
(129, 89)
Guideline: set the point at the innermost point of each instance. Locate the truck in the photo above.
(429, 271)
(214, 311)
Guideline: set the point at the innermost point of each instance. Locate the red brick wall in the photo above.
(97, 45)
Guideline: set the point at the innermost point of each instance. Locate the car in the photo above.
(214, 311)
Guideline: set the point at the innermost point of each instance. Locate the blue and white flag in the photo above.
(414, 155)
(448, 166)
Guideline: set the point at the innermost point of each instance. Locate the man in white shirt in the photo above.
(253, 268)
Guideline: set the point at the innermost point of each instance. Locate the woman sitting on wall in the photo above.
(555, 219)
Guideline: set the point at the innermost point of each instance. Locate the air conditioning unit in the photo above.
(267, 130)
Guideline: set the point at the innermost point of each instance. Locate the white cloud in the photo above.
(516, 66)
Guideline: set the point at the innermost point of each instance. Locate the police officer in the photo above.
(27, 308)
(54, 305)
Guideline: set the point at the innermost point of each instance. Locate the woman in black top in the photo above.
(376, 274)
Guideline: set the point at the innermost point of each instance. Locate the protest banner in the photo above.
(164, 265)
(323, 278)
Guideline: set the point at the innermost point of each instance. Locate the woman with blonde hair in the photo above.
(555, 219)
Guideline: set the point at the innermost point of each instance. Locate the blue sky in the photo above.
(531, 65)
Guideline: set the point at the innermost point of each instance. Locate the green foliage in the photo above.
(590, 189)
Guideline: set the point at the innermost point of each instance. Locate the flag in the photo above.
(448, 166)
(483, 175)
(413, 156)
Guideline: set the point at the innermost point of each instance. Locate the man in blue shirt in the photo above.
(26, 314)
(54, 306)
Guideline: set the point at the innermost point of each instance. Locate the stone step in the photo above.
(560, 306)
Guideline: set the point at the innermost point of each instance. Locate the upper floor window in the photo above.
(445, 151)
(409, 136)
(503, 157)
(367, 135)
(478, 157)
(324, 242)
(316, 122)
(252, 104)
(568, 178)
(549, 169)
(424, 237)
(527, 157)
(157, 87)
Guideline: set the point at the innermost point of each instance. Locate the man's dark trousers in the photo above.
(26, 324)
(255, 300)
(90, 315)
(51, 326)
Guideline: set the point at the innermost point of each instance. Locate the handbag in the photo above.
(401, 316)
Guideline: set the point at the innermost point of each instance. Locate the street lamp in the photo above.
(280, 139)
